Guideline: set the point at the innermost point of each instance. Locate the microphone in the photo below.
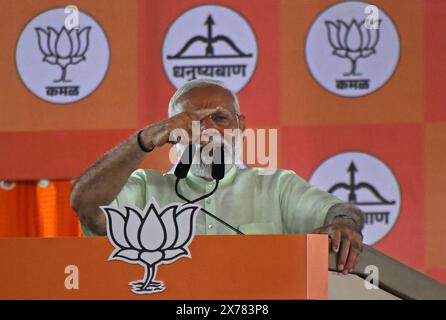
(218, 163)
(183, 166)
(218, 173)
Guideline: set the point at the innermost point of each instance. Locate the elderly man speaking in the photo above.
(254, 202)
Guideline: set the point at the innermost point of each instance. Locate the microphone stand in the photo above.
(204, 210)
(218, 172)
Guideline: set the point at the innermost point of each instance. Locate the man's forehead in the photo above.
(208, 97)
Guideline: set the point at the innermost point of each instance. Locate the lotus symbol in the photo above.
(352, 41)
(63, 48)
(150, 237)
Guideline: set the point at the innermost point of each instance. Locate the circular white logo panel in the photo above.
(366, 182)
(210, 41)
(352, 49)
(61, 65)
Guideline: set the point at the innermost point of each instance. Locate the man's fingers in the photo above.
(336, 240)
(343, 254)
(352, 256)
(200, 114)
(225, 111)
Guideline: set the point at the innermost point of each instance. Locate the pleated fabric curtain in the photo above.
(37, 209)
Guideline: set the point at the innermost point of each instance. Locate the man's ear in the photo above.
(242, 124)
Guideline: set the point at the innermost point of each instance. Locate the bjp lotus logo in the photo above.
(63, 48)
(352, 41)
(150, 237)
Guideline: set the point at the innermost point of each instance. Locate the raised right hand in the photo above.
(157, 134)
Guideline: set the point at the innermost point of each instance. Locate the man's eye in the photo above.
(220, 118)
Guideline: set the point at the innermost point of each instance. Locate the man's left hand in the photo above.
(346, 241)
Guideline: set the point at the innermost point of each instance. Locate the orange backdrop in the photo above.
(402, 123)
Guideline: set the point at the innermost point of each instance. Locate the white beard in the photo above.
(205, 170)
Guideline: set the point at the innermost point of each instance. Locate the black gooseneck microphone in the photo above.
(218, 173)
(218, 164)
(183, 166)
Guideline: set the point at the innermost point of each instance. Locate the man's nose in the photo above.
(207, 123)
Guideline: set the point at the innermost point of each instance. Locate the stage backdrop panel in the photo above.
(359, 111)
(304, 97)
(60, 89)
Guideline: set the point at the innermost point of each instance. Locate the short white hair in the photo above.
(175, 107)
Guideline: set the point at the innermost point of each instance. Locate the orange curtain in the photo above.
(37, 209)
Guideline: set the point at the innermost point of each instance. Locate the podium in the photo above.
(221, 267)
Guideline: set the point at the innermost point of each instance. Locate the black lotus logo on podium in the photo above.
(210, 41)
(150, 237)
(63, 48)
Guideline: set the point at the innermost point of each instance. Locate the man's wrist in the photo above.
(345, 219)
(348, 221)
(347, 214)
